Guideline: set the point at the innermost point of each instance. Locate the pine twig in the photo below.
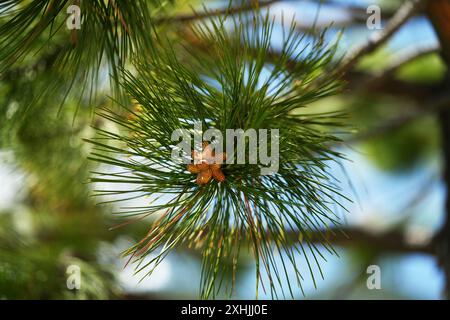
(365, 82)
(402, 60)
(438, 104)
(185, 18)
(391, 241)
(385, 81)
(404, 13)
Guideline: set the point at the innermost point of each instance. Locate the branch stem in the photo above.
(404, 13)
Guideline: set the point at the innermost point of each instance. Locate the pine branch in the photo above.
(384, 241)
(228, 86)
(434, 106)
(403, 59)
(186, 18)
(395, 241)
(365, 82)
(357, 15)
(383, 82)
(403, 14)
(110, 33)
(409, 9)
(358, 12)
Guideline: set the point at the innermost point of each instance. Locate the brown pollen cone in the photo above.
(204, 176)
(207, 168)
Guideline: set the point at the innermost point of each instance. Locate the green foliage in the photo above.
(35, 33)
(393, 147)
(376, 61)
(428, 69)
(405, 148)
(36, 251)
(113, 28)
(228, 85)
(51, 152)
(60, 225)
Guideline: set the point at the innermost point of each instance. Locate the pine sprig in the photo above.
(110, 33)
(116, 26)
(230, 85)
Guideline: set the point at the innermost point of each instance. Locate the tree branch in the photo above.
(184, 18)
(366, 82)
(437, 105)
(385, 81)
(389, 241)
(358, 14)
(405, 58)
(406, 11)
(383, 241)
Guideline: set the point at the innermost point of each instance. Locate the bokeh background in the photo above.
(49, 219)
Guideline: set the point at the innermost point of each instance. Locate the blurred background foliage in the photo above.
(49, 219)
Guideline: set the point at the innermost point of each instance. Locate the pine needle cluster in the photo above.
(233, 82)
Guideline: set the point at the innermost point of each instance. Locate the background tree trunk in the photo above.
(439, 14)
